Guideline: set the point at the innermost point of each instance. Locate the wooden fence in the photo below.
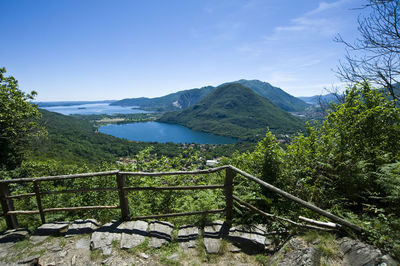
(6, 198)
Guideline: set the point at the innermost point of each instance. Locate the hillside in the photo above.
(74, 140)
(71, 139)
(173, 101)
(187, 98)
(237, 111)
(276, 95)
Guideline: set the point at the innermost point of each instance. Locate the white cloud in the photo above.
(323, 6)
(311, 23)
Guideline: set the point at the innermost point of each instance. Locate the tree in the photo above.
(375, 55)
(18, 121)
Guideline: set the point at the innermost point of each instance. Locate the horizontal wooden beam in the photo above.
(59, 177)
(175, 214)
(82, 208)
(175, 188)
(79, 190)
(298, 200)
(20, 196)
(197, 172)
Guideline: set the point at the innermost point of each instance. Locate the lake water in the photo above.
(162, 132)
(93, 108)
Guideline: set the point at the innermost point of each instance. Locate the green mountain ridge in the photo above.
(237, 111)
(276, 95)
(184, 99)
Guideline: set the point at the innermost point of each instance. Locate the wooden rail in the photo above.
(10, 214)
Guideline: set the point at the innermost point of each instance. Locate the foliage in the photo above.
(18, 121)
(348, 164)
(235, 110)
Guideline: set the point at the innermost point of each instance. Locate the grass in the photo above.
(142, 247)
(326, 244)
(95, 254)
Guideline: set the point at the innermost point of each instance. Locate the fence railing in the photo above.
(6, 198)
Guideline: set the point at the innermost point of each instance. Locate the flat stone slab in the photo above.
(250, 238)
(187, 236)
(133, 233)
(9, 238)
(14, 235)
(82, 227)
(104, 236)
(160, 233)
(83, 243)
(212, 236)
(46, 230)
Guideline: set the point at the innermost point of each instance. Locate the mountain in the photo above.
(173, 101)
(317, 99)
(183, 99)
(276, 95)
(237, 111)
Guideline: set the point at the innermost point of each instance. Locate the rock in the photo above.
(358, 253)
(83, 243)
(82, 227)
(249, 238)
(46, 230)
(13, 235)
(187, 236)
(104, 237)
(234, 249)
(54, 248)
(296, 252)
(9, 238)
(32, 260)
(160, 233)
(133, 233)
(212, 236)
(144, 255)
(174, 256)
(302, 257)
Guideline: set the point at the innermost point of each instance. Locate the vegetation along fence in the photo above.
(230, 171)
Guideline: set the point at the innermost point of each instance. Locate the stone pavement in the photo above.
(84, 236)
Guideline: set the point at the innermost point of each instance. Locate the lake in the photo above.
(162, 132)
(93, 108)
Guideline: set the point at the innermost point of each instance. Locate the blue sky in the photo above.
(97, 49)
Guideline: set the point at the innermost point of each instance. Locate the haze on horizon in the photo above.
(101, 50)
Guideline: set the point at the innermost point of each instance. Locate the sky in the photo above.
(69, 50)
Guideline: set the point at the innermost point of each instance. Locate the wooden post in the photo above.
(8, 205)
(123, 201)
(39, 202)
(229, 174)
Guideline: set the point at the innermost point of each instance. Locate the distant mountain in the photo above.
(173, 101)
(70, 103)
(317, 99)
(276, 95)
(237, 111)
(183, 99)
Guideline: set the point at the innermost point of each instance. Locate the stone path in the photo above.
(83, 236)
(87, 242)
